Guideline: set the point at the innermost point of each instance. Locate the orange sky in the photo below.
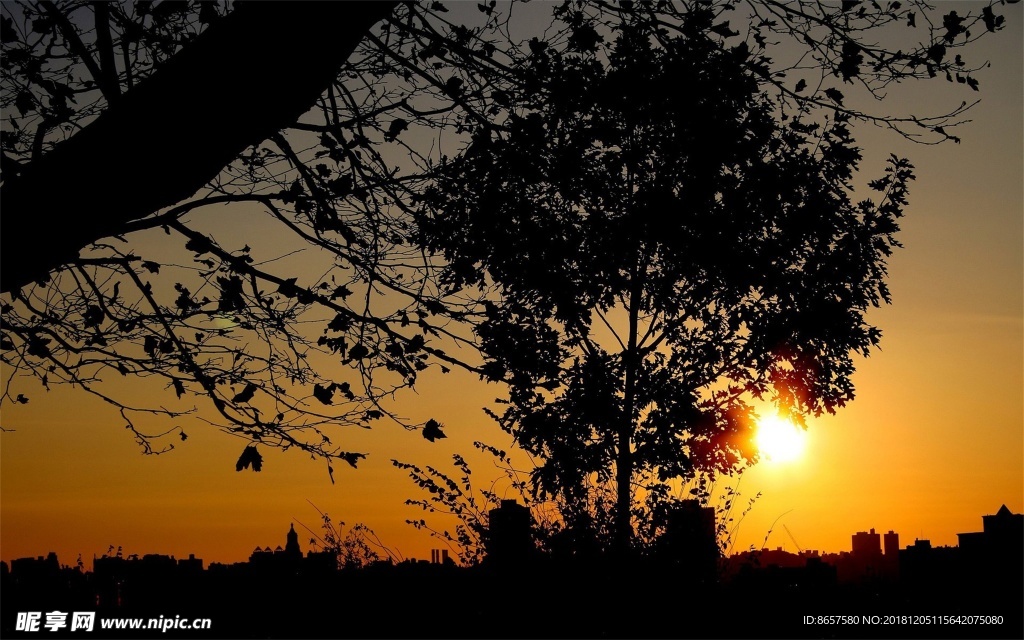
(934, 440)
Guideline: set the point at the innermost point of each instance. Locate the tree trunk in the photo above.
(623, 496)
(624, 458)
(245, 78)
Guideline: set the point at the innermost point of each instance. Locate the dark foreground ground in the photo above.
(568, 602)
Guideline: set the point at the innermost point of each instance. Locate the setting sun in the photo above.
(778, 439)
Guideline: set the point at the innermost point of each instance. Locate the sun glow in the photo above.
(778, 439)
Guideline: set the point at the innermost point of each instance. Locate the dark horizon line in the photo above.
(1003, 512)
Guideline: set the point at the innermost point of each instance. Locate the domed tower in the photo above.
(291, 548)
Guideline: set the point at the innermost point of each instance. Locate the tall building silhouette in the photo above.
(867, 543)
(509, 537)
(440, 556)
(287, 558)
(865, 562)
(689, 542)
(891, 560)
(997, 552)
(291, 547)
(1002, 533)
(891, 542)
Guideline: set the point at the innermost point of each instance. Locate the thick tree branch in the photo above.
(115, 170)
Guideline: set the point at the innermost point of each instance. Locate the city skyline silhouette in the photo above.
(1000, 531)
(866, 582)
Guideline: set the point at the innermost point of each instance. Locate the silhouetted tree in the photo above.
(208, 319)
(149, 167)
(206, 316)
(667, 231)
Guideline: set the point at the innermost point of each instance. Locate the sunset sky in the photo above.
(934, 440)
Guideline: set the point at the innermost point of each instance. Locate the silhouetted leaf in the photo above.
(250, 457)
(8, 33)
(358, 352)
(432, 430)
(184, 300)
(453, 86)
(246, 394)
(25, 103)
(341, 186)
(835, 95)
(992, 21)
(723, 30)
(199, 245)
(415, 344)
(851, 60)
(954, 25)
(324, 394)
(288, 288)
(398, 125)
(345, 390)
(93, 316)
(208, 12)
(231, 298)
(584, 38)
(352, 458)
(341, 322)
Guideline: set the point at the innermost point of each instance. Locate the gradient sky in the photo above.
(934, 440)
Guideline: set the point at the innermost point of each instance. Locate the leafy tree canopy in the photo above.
(665, 244)
(756, 96)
